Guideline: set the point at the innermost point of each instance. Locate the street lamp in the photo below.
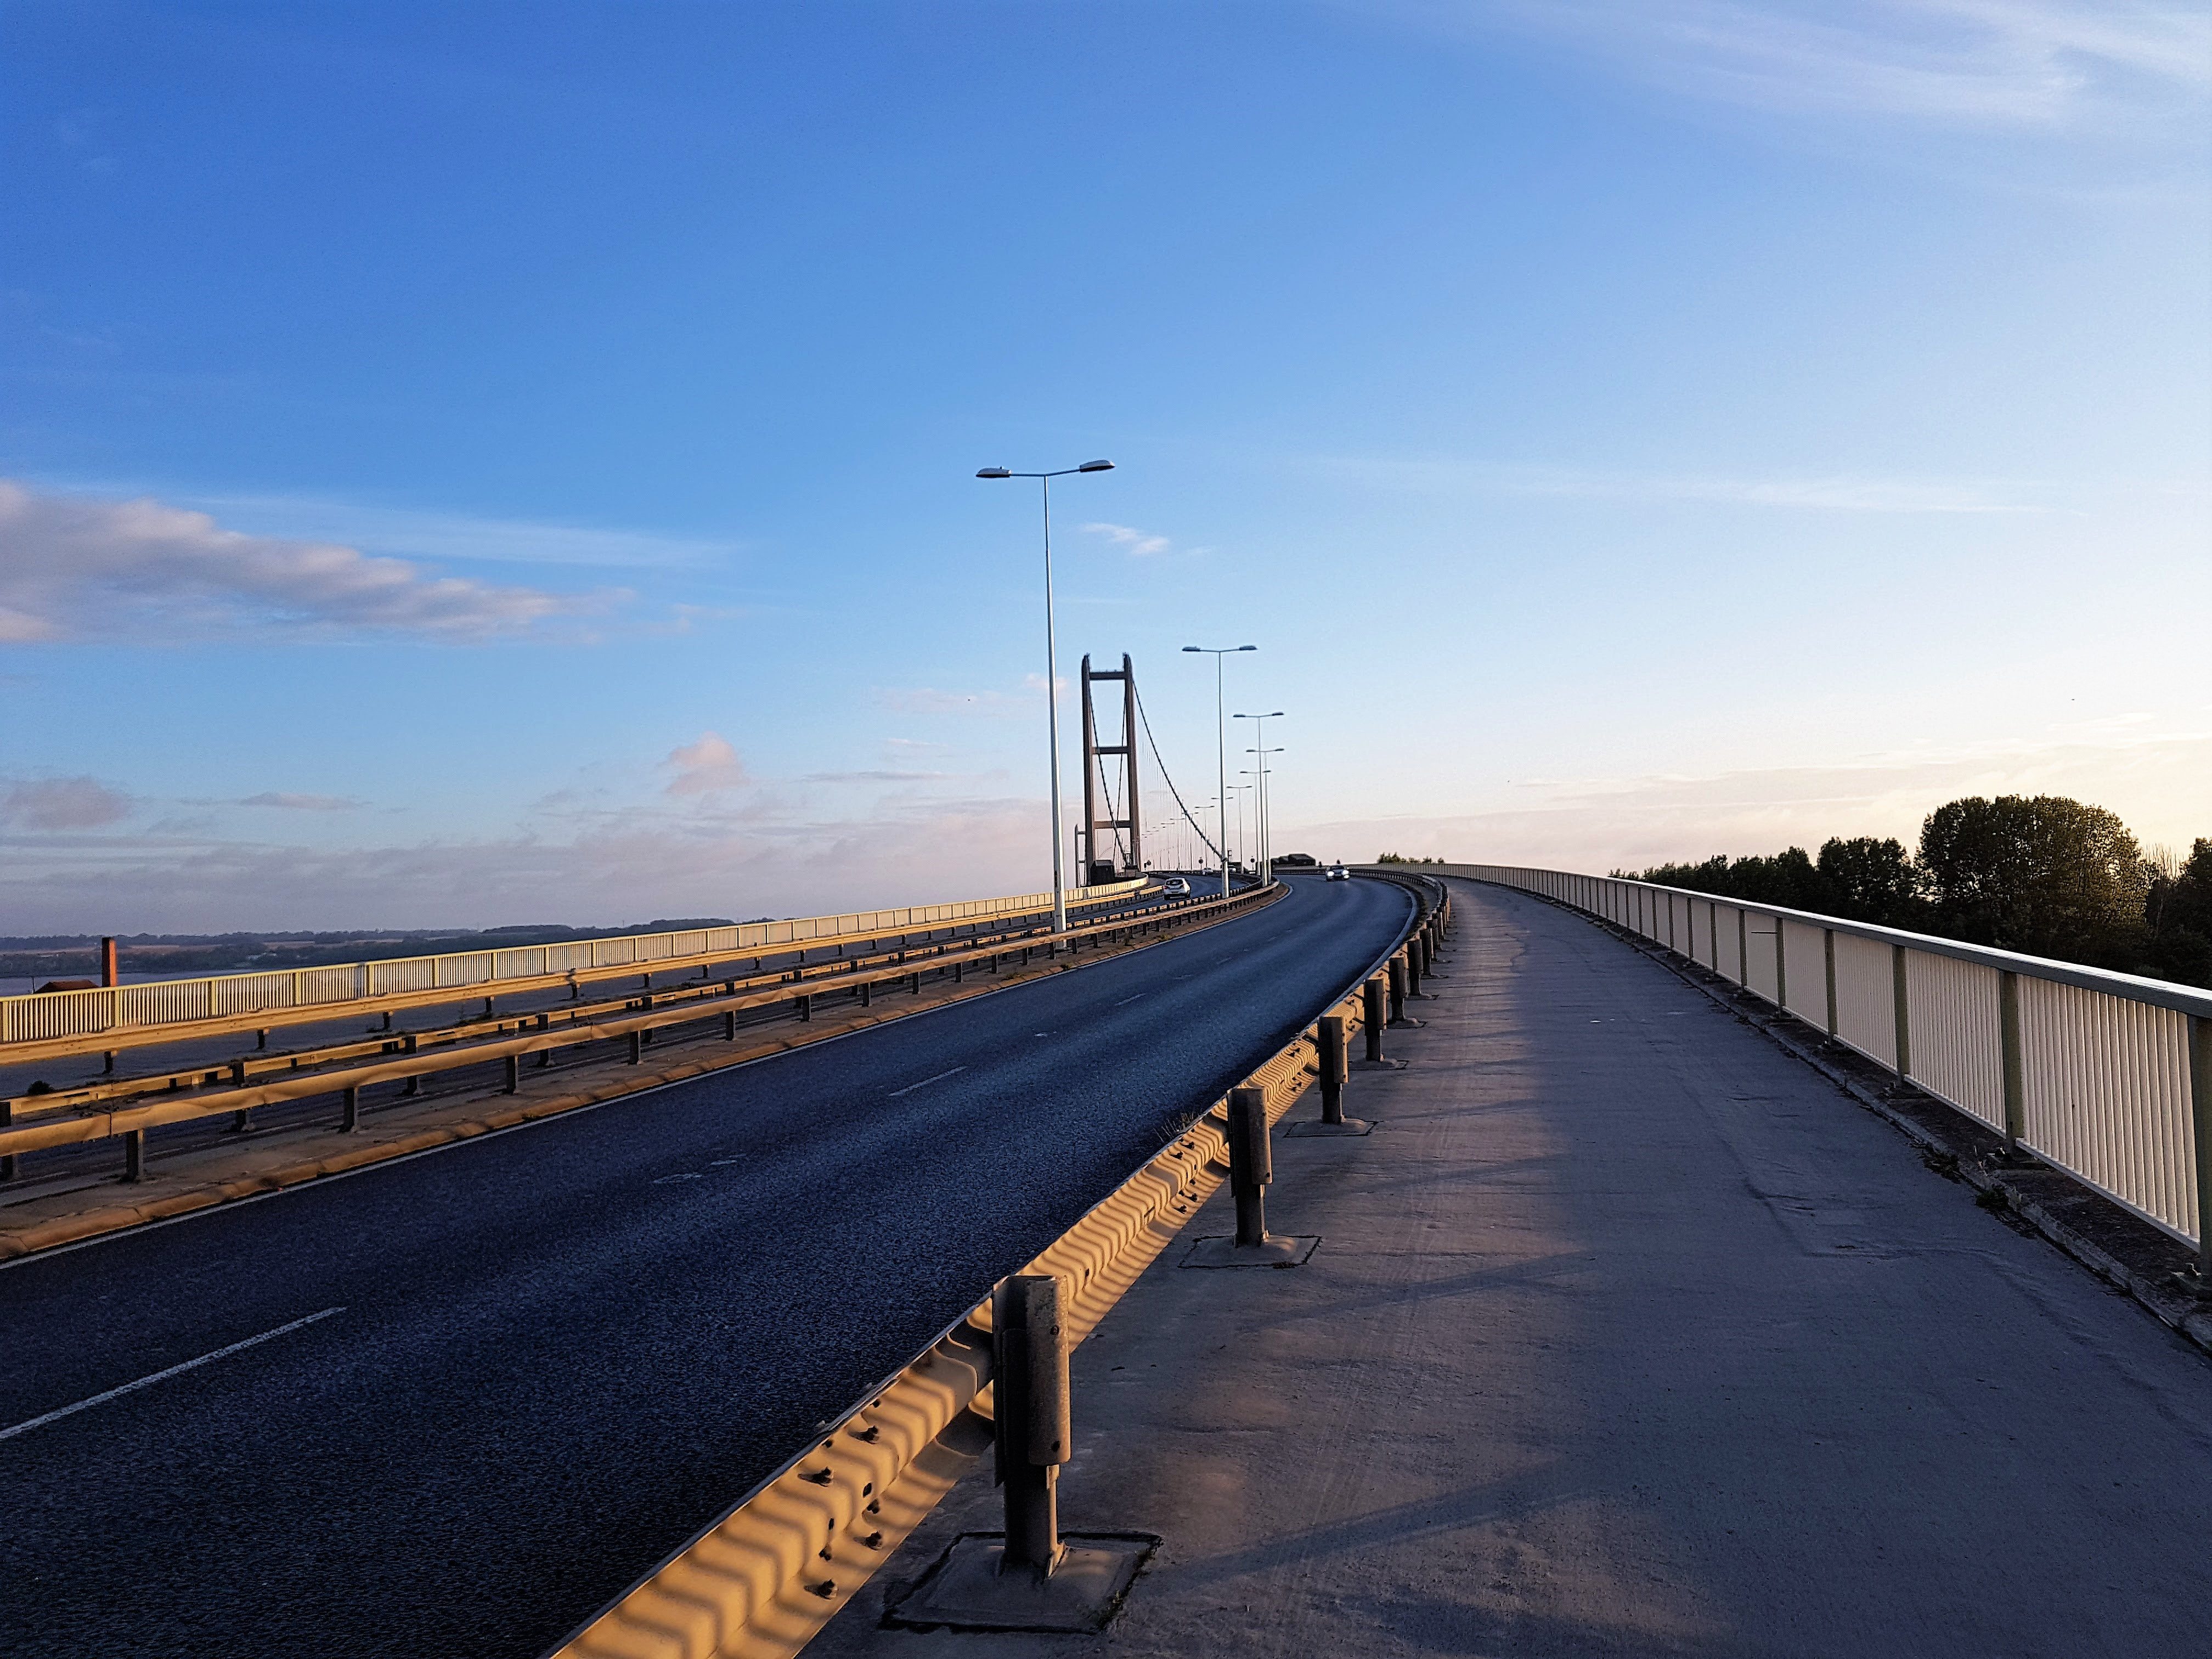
(1259, 734)
(1221, 743)
(1051, 669)
(1262, 827)
(1240, 790)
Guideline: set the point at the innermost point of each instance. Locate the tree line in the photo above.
(2043, 875)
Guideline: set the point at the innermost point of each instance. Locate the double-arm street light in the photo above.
(1221, 742)
(1260, 733)
(1052, 673)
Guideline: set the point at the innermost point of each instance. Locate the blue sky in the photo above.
(487, 464)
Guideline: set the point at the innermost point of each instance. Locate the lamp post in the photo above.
(1260, 736)
(1239, 790)
(1051, 672)
(1221, 743)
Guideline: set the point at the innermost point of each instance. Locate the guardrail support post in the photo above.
(240, 1121)
(1900, 998)
(806, 1005)
(2200, 1103)
(636, 1047)
(1376, 1016)
(349, 1111)
(730, 1026)
(513, 1075)
(1331, 1045)
(1416, 952)
(1251, 1168)
(1030, 1417)
(414, 1084)
(7, 1159)
(2015, 1070)
(1398, 989)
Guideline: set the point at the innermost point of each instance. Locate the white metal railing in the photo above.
(46, 1016)
(2106, 1075)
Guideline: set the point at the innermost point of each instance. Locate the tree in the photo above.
(1872, 880)
(2043, 874)
(2177, 913)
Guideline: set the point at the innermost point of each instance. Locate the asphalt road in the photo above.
(536, 1362)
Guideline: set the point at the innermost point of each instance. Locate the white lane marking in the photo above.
(1126, 1001)
(143, 1382)
(689, 1175)
(924, 1083)
(717, 1163)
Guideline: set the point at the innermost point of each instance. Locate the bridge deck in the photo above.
(1627, 1335)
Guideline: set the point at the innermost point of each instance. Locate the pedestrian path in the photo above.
(1627, 1333)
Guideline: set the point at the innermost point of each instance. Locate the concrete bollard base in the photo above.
(1351, 1125)
(965, 1590)
(1280, 1250)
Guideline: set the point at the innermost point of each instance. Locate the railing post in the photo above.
(350, 1112)
(134, 1155)
(7, 1159)
(2015, 1070)
(1828, 956)
(1376, 1015)
(1251, 1168)
(1900, 995)
(1398, 989)
(636, 1047)
(1781, 967)
(1414, 952)
(2199, 1104)
(1030, 1417)
(1329, 1045)
(513, 1075)
(415, 1083)
(1743, 947)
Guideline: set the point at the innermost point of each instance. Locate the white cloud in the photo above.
(73, 566)
(1136, 542)
(2017, 64)
(704, 766)
(47, 803)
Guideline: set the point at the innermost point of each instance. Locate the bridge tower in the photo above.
(1099, 856)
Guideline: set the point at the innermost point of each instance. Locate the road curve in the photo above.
(452, 1404)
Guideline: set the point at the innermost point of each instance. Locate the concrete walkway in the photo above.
(1630, 1334)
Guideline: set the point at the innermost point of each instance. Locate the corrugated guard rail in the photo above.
(544, 1034)
(121, 1012)
(2105, 1075)
(764, 1578)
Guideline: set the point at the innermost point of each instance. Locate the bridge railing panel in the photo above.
(2106, 1095)
(1952, 1006)
(1866, 996)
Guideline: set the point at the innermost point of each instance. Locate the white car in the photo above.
(1175, 887)
(1338, 872)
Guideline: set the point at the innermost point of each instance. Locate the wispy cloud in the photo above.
(54, 804)
(74, 566)
(464, 538)
(1831, 493)
(1136, 543)
(2018, 64)
(302, 803)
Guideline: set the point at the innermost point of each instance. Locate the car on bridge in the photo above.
(1175, 887)
(1337, 872)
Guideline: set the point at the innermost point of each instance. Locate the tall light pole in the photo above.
(1260, 736)
(1260, 815)
(1239, 790)
(1052, 672)
(1221, 742)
